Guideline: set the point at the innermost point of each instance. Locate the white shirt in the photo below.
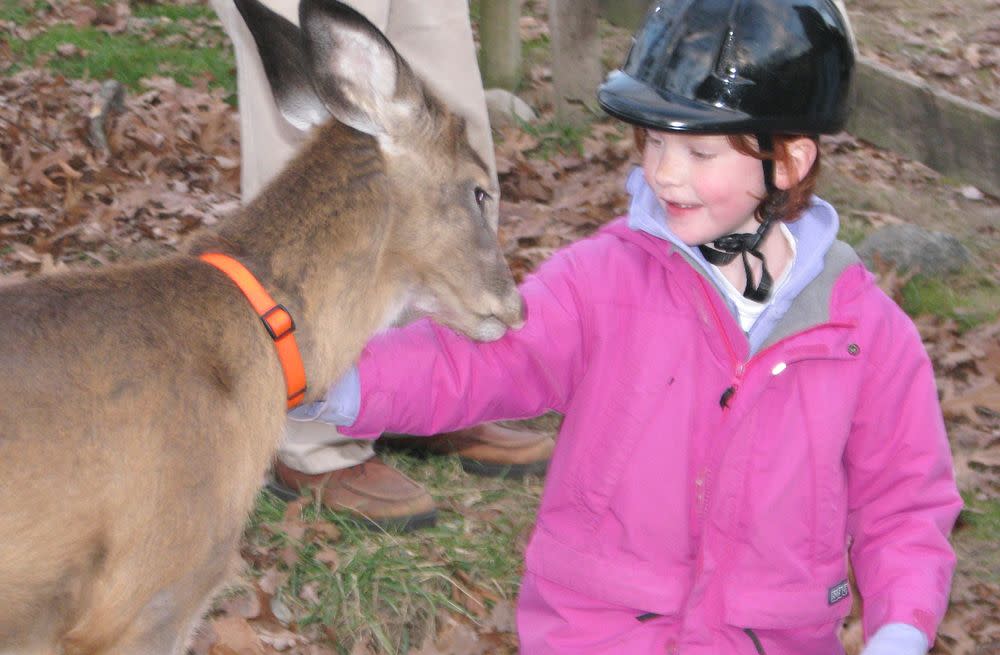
(749, 311)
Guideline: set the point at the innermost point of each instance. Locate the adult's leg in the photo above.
(435, 38)
(267, 140)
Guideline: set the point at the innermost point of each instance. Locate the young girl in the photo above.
(743, 406)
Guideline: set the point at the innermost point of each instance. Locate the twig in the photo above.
(110, 100)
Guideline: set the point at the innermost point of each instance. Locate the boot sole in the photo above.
(394, 524)
(505, 471)
(471, 466)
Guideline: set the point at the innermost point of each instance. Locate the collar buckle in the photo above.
(276, 320)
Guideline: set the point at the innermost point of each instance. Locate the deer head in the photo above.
(432, 205)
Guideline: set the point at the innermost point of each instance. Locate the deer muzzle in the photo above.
(507, 312)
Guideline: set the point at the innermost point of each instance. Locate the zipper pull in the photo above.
(726, 396)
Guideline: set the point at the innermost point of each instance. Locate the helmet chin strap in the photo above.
(726, 248)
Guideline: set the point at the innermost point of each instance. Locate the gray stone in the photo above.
(908, 247)
(900, 112)
(505, 108)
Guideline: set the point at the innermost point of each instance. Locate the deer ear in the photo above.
(279, 43)
(357, 73)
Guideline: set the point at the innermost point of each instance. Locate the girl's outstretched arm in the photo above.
(427, 379)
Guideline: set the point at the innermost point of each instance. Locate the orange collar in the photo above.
(276, 319)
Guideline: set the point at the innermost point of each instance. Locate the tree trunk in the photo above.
(625, 13)
(576, 58)
(500, 43)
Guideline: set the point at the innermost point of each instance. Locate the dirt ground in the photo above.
(954, 46)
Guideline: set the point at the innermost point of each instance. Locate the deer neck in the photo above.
(316, 238)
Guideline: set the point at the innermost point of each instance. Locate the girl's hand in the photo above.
(897, 639)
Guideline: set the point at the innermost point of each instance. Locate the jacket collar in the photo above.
(815, 233)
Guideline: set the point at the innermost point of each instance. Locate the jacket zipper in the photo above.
(742, 366)
(730, 391)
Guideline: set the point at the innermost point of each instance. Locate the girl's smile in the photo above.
(705, 186)
(679, 209)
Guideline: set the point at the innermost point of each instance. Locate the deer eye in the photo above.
(481, 197)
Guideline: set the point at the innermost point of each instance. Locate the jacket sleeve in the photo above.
(902, 496)
(426, 379)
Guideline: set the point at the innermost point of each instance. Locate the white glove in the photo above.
(897, 639)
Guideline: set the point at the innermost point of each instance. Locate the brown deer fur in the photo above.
(140, 405)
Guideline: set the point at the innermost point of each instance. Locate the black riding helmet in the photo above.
(759, 67)
(751, 66)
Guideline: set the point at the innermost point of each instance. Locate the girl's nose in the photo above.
(669, 168)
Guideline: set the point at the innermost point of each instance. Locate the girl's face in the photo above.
(706, 187)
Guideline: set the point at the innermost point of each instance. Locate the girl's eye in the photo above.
(701, 154)
(481, 197)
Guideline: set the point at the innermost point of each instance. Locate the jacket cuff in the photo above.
(897, 639)
(374, 406)
(923, 620)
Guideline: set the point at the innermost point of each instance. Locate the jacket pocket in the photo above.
(788, 609)
(616, 580)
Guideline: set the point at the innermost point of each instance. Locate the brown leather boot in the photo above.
(372, 490)
(492, 450)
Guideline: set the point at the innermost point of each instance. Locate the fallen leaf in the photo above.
(235, 637)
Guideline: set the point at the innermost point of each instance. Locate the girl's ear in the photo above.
(800, 154)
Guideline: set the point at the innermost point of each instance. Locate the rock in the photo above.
(68, 50)
(971, 193)
(505, 108)
(281, 612)
(908, 247)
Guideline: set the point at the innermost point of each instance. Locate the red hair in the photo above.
(784, 205)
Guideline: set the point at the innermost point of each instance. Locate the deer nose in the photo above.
(511, 312)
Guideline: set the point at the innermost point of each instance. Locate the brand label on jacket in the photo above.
(838, 592)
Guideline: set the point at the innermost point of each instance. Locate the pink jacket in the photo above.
(672, 523)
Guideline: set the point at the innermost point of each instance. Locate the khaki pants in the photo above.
(435, 38)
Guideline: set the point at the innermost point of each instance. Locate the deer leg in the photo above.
(163, 625)
(157, 633)
(163, 622)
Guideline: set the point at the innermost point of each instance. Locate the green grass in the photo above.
(19, 11)
(129, 57)
(969, 300)
(977, 538)
(556, 137)
(173, 12)
(852, 232)
(384, 586)
(268, 509)
(387, 588)
(536, 50)
(983, 517)
(22, 12)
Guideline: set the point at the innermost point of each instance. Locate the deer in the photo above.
(141, 403)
